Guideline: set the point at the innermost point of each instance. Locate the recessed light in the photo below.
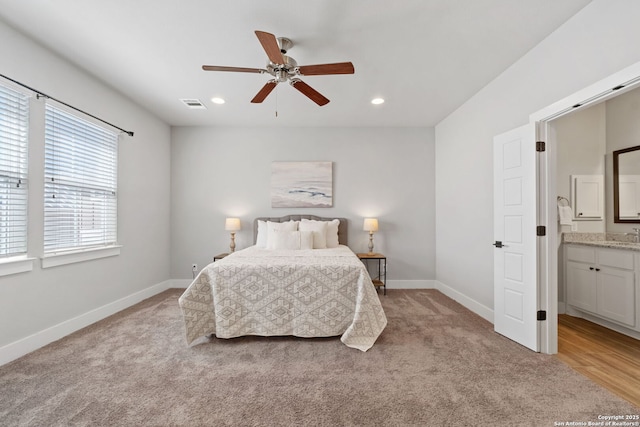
(377, 101)
(217, 100)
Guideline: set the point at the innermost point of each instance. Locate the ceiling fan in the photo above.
(284, 68)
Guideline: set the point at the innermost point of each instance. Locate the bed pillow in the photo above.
(261, 238)
(272, 227)
(332, 231)
(319, 229)
(292, 240)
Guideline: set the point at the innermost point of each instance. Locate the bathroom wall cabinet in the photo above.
(587, 193)
(602, 282)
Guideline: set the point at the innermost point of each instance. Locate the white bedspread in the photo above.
(305, 293)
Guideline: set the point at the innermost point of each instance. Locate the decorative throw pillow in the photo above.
(272, 227)
(319, 229)
(286, 240)
(292, 240)
(332, 231)
(306, 239)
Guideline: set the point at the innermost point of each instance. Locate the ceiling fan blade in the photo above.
(234, 69)
(270, 46)
(326, 69)
(309, 92)
(264, 92)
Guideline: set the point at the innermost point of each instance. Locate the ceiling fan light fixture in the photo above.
(217, 100)
(284, 68)
(377, 101)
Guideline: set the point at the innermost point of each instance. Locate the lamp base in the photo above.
(371, 243)
(232, 245)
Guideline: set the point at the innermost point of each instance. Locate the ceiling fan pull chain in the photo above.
(276, 101)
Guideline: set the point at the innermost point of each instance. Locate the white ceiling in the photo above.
(425, 57)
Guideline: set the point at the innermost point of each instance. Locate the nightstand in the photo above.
(381, 279)
(219, 256)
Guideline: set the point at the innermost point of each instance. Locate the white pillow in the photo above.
(272, 227)
(332, 231)
(292, 240)
(319, 229)
(261, 238)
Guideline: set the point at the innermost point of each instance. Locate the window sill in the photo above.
(54, 260)
(15, 265)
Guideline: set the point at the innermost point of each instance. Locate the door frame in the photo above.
(609, 87)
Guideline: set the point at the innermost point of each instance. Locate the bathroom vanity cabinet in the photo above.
(602, 281)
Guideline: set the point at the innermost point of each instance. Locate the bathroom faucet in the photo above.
(636, 235)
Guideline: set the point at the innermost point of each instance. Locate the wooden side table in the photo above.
(219, 256)
(381, 279)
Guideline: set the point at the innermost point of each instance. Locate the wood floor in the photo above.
(605, 356)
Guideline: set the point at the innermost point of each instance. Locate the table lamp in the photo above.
(370, 225)
(232, 225)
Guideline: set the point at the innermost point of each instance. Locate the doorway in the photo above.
(547, 193)
(589, 104)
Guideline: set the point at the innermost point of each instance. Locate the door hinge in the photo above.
(542, 315)
(541, 146)
(541, 230)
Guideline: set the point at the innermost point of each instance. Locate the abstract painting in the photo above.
(301, 184)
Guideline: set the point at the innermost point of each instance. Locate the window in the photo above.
(14, 126)
(80, 190)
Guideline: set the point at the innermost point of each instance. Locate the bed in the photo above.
(275, 289)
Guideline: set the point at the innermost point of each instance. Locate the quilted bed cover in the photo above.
(305, 293)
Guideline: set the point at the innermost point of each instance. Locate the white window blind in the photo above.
(80, 190)
(14, 126)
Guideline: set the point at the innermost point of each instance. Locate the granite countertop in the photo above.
(602, 240)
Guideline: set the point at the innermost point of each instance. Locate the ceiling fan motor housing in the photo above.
(282, 72)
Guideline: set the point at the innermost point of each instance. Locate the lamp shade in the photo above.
(370, 224)
(232, 224)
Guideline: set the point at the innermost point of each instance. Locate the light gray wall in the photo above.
(33, 301)
(386, 173)
(581, 144)
(595, 43)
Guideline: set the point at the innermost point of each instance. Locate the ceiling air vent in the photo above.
(194, 104)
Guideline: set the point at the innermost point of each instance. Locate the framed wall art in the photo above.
(301, 184)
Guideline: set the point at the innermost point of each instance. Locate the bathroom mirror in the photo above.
(626, 185)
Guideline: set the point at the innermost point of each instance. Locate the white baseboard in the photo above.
(473, 305)
(180, 283)
(33, 342)
(410, 284)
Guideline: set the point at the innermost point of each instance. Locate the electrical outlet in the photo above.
(194, 267)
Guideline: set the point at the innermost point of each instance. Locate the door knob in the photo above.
(498, 244)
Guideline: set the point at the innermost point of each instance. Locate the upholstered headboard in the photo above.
(342, 228)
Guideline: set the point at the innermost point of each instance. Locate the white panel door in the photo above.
(515, 253)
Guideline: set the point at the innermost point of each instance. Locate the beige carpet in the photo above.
(436, 364)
